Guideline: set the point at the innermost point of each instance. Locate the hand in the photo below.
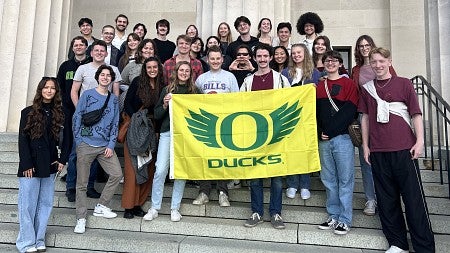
(108, 152)
(28, 173)
(416, 150)
(324, 137)
(234, 65)
(59, 166)
(366, 151)
(167, 98)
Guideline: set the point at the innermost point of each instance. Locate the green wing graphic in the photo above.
(284, 121)
(203, 127)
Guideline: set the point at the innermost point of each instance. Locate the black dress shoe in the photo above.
(71, 194)
(128, 214)
(92, 193)
(137, 211)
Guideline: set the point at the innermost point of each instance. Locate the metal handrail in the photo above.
(436, 119)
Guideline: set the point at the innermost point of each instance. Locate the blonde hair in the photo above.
(307, 65)
(175, 82)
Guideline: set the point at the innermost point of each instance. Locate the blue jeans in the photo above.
(367, 178)
(366, 171)
(35, 206)
(162, 168)
(71, 179)
(337, 175)
(257, 195)
(302, 181)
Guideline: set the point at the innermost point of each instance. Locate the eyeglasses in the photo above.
(242, 54)
(364, 46)
(331, 61)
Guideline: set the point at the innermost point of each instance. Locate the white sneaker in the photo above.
(32, 249)
(201, 199)
(223, 199)
(80, 228)
(371, 207)
(234, 184)
(305, 194)
(290, 192)
(103, 211)
(175, 215)
(122, 180)
(151, 214)
(395, 249)
(41, 248)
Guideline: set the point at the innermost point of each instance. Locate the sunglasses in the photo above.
(242, 54)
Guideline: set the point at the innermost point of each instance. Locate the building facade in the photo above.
(35, 35)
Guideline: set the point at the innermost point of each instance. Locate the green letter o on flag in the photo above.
(226, 131)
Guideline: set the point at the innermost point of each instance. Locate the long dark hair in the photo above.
(359, 59)
(315, 55)
(36, 124)
(147, 93)
(139, 57)
(274, 64)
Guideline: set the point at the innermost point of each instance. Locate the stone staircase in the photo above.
(210, 228)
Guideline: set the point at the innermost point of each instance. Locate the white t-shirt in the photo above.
(86, 75)
(221, 81)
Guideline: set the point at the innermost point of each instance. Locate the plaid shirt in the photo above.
(169, 67)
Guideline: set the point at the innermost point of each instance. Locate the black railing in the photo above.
(436, 122)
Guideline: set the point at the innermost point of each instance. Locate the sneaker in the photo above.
(329, 224)
(277, 221)
(234, 184)
(223, 199)
(32, 249)
(371, 207)
(201, 199)
(80, 228)
(151, 214)
(305, 194)
(103, 211)
(122, 180)
(341, 229)
(175, 215)
(41, 248)
(92, 193)
(254, 220)
(71, 194)
(395, 249)
(290, 192)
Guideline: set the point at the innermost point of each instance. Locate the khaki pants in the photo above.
(85, 156)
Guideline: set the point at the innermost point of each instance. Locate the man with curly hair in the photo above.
(310, 25)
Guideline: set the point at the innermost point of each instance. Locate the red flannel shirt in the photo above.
(169, 67)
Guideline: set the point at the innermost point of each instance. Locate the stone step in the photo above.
(9, 146)
(64, 220)
(60, 239)
(9, 168)
(9, 137)
(430, 189)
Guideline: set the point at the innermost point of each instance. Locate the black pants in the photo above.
(395, 175)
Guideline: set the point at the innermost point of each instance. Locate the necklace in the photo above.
(263, 77)
(382, 86)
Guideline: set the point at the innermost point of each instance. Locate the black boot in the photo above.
(137, 211)
(128, 214)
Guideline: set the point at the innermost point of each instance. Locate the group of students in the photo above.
(139, 91)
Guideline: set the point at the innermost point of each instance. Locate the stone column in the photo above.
(408, 37)
(30, 45)
(444, 38)
(9, 24)
(213, 12)
(432, 43)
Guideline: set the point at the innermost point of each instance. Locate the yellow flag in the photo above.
(244, 135)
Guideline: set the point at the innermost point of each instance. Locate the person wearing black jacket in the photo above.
(242, 25)
(65, 76)
(40, 126)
